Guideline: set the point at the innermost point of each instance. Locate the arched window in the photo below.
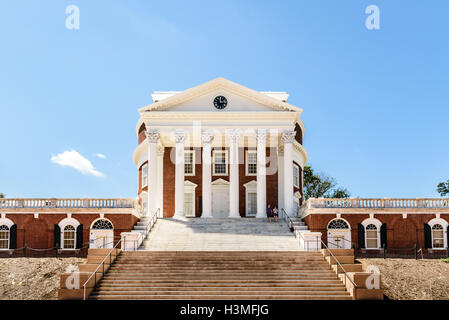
(338, 224)
(102, 224)
(371, 236)
(437, 236)
(4, 237)
(69, 235)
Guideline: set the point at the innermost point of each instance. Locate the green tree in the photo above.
(317, 185)
(443, 188)
(2, 195)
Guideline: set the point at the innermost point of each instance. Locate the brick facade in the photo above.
(401, 232)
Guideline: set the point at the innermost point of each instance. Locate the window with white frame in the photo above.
(371, 236)
(189, 162)
(69, 234)
(251, 162)
(145, 175)
(296, 175)
(220, 163)
(4, 237)
(437, 236)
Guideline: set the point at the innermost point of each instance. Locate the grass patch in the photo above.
(445, 260)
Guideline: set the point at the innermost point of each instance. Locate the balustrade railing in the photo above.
(375, 203)
(67, 203)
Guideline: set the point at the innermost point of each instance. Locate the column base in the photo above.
(235, 216)
(260, 216)
(206, 215)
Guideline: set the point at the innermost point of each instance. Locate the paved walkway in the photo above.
(199, 234)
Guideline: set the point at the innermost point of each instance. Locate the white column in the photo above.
(180, 137)
(234, 136)
(280, 179)
(152, 137)
(207, 137)
(261, 174)
(160, 180)
(288, 136)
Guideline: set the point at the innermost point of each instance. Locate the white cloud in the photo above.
(101, 156)
(76, 161)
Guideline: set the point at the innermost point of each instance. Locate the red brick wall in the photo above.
(141, 136)
(401, 233)
(169, 181)
(39, 233)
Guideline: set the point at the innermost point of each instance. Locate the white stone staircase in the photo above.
(211, 234)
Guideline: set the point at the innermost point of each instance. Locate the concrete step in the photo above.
(339, 289)
(220, 292)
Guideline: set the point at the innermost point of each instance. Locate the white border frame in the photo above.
(226, 159)
(64, 223)
(9, 223)
(444, 223)
(378, 225)
(342, 232)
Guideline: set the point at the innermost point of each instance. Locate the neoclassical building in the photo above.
(219, 150)
(223, 150)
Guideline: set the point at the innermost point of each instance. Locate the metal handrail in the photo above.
(287, 217)
(95, 272)
(153, 220)
(336, 260)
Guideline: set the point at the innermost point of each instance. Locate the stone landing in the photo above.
(240, 234)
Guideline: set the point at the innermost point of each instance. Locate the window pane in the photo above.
(252, 163)
(295, 176)
(220, 163)
(188, 162)
(144, 175)
(371, 243)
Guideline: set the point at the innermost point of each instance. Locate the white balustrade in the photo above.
(375, 203)
(68, 203)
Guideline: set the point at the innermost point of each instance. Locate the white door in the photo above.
(101, 239)
(189, 204)
(220, 203)
(339, 239)
(251, 204)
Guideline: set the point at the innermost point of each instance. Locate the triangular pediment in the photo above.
(239, 98)
(220, 182)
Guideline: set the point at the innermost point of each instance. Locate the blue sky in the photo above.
(375, 101)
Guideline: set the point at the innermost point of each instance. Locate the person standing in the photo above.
(275, 213)
(269, 213)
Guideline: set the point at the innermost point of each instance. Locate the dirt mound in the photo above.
(409, 279)
(32, 278)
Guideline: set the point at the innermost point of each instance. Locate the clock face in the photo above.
(220, 102)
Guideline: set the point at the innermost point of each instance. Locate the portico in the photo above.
(247, 136)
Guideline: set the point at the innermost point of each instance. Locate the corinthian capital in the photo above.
(153, 135)
(233, 135)
(288, 136)
(207, 136)
(261, 135)
(179, 135)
